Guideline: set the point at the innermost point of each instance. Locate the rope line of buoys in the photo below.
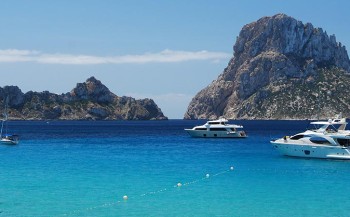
(126, 197)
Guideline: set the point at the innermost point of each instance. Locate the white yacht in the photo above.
(328, 139)
(218, 128)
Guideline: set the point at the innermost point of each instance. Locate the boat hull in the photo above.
(312, 151)
(8, 142)
(215, 134)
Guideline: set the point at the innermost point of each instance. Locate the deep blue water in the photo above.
(75, 168)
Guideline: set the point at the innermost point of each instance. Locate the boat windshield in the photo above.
(200, 128)
(325, 127)
(297, 137)
(216, 123)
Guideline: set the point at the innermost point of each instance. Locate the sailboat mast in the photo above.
(5, 117)
(2, 125)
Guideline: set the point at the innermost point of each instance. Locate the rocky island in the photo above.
(281, 69)
(90, 100)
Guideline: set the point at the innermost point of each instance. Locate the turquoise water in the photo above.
(85, 169)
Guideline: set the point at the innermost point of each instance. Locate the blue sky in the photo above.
(164, 50)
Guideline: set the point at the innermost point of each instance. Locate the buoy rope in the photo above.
(125, 197)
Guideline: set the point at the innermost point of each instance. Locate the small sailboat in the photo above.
(5, 138)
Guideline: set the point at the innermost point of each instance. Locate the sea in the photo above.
(154, 168)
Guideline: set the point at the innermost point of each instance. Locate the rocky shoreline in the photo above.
(90, 100)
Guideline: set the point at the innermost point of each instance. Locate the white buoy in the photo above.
(179, 184)
(125, 197)
(207, 176)
(231, 168)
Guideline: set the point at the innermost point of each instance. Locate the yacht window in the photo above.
(217, 129)
(344, 142)
(331, 129)
(319, 140)
(200, 128)
(217, 123)
(214, 123)
(297, 137)
(233, 129)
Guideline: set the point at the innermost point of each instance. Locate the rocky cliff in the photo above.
(90, 100)
(281, 69)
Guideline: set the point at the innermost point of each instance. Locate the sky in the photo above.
(160, 49)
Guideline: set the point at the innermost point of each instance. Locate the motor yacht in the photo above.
(217, 129)
(328, 139)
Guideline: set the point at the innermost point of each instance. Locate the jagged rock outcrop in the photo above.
(15, 96)
(90, 100)
(281, 69)
(92, 90)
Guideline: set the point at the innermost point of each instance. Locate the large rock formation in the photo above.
(90, 100)
(281, 69)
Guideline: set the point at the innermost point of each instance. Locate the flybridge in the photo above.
(337, 124)
(221, 121)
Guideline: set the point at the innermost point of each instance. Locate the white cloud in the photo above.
(13, 55)
(14, 52)
(165, 56)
